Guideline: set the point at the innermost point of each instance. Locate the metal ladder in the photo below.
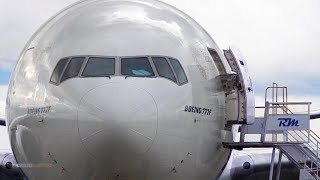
(284, 126)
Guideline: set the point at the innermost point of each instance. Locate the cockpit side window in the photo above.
(57, 72)
(136, 66)
(99, 67)
(217, 60)
(73, 68)
(181, 75)
(163, 68)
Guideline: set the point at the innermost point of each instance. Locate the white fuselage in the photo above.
(118, 127)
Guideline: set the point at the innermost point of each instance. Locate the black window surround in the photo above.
(116, 69)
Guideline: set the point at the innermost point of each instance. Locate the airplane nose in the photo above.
(117, 121)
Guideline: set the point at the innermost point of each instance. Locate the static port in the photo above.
(246, 165)
(9, 165)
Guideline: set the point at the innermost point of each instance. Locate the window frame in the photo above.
(167, 59)
(218, 62)
(180, 84)
(155, 73)
(106, 57)
(81, 68)
(62, 72)
(118, 68)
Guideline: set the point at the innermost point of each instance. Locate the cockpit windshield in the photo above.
(181, 75)
(163, 68)
(99, 67)
(58, 70)
(136, 66)
(73, 68)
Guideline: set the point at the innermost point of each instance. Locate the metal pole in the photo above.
(272, 92)
(277, 97)
(286, 100)
(283, 95)
(272, 164)
(266, 112)
(309, 123)
(242, 134)
(286, 94)
(279, 166)
(273, 97)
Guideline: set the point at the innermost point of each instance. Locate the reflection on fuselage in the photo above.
(119, 112)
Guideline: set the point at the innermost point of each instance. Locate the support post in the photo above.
(285, 136)
(272, 163)
(242, 133)
(266, 112)
(279, 166)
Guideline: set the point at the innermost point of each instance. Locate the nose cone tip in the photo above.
(117, 121)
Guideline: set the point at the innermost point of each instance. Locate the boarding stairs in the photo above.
(281, 124)
(284, 126)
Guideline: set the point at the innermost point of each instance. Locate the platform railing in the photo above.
(314, 144)
(281, 123)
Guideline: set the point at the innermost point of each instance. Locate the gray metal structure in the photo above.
(285, 127)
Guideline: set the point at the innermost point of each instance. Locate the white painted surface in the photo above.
(288, 122)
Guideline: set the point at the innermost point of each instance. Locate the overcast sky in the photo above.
(279, 39)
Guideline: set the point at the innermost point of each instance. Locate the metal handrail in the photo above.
(311, 158)
(312, 162)
(284, 92)
(315, 170)
(308, 144)
(291, 103)
(300, 146)
(297, 134)
(307, 156)
(314, 134)
(312, 137)
(285, 110)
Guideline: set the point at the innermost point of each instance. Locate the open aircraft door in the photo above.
(240, 102)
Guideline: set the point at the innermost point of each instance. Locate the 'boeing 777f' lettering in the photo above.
(198, 110)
